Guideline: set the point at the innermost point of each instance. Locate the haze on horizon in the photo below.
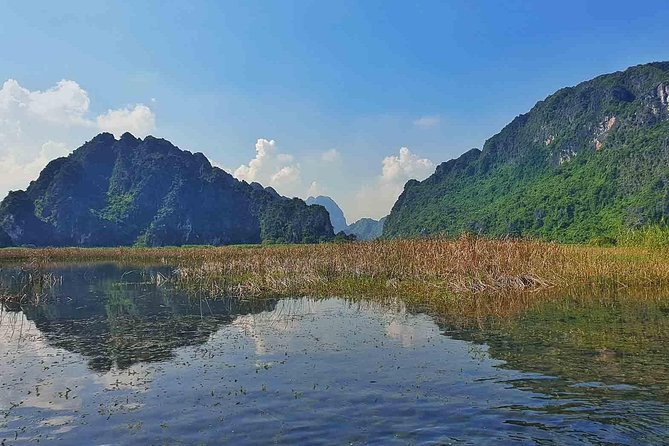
(348, 100)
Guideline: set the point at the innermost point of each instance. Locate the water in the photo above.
(112, 358)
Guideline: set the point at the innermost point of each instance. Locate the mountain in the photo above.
(148, 192)
(588, 161)
(363, 229)
(5, 239)
(336, 214)
(366, 228)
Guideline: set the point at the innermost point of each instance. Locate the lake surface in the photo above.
(112, 358)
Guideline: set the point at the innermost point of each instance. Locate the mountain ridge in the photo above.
(366, 228)
(567, 170)
(148, 192)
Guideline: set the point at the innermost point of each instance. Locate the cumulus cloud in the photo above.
(405, 166)
(271, 168)
(286, 176)
(17, 172)
(261, 164)
(37, 126)
(375, 200)
(428, 121)
(140, 121)
(65, 103)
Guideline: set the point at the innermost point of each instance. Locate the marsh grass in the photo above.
(28, 285)
(471, 275)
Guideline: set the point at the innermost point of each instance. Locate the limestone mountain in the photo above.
(148, 192)
(588, 161)
(366, 228)
(336, 214)
(363, 229)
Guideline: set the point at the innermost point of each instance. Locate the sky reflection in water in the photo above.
(113, 359)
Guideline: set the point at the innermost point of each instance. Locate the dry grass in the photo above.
(467, 265)
(472, 277)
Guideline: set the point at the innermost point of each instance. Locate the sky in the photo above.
(348, 99)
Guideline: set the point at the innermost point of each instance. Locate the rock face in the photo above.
(663, 94)
(336, 214)
(587, 161)
(363, 229)
(366, 228)
(148, 192)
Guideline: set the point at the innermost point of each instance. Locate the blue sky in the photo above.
(338, 86)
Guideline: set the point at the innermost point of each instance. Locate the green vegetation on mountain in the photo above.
(589, 162)
(366, 228)
(148, 192)
(337, 217)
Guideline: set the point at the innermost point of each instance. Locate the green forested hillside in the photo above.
(130, 191)
(588, 161)
(366, 228)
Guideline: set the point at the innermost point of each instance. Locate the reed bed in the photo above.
(28, 285)
(467, 265)
(470, 277)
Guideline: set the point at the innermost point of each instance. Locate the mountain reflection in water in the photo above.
(114, 316)
(110, 357)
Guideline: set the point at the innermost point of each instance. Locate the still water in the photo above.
(111, 358)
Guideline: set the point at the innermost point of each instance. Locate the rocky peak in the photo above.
(104, 137)
(127, 136)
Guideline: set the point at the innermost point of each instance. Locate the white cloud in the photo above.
(375, 200)
(65, 103)
(405, 167)
(331, 156)
(18, 173)
(428, 121)
(37, 126)
(315, 189)
(286, 176)
(251, 171)
(271, 168)
(140, 121)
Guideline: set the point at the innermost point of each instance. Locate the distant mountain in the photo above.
(148, 192)
(336, 214)
(587, 161)
(363, 229)
(366, 228)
